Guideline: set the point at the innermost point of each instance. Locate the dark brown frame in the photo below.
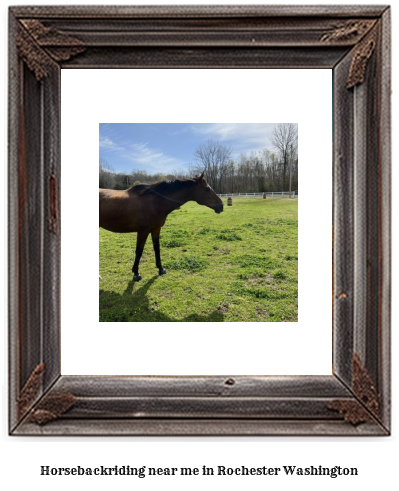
(353, 41)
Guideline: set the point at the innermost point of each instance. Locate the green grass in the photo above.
(241, 265)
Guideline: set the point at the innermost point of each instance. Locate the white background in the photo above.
(376, 458)
(207, 348)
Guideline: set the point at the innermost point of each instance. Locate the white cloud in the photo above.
(154, 160)
(241, 137)
(138, 155)
(107, 144)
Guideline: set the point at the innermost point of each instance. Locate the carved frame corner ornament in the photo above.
(51, 407)
(354, 43)
(366, 406)
(39, 45)
(361, 56)
(41, 410)
(352, 30)
(364, 33)
(30, 391)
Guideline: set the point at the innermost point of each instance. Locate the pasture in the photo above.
(239, 266)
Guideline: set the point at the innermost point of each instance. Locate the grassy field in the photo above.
(241, 265)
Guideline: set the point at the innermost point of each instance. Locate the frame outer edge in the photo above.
(366, 208)
(14, 89)
(343, 342)
(199, 427)
(385, 156)
(226, 11)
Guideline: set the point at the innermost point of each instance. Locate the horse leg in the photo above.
(155, 242)
(141, 240)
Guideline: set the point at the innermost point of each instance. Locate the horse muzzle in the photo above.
(218, 208)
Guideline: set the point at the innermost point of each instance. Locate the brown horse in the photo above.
(144, 208)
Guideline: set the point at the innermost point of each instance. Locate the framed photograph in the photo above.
(218, 202)
(343, 53)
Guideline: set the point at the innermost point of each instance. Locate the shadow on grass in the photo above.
(133, 305)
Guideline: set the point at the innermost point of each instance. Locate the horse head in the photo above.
(205, 195)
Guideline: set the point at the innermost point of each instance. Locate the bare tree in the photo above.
(284, 139)
(106, 174)
(252, 172)
(213, 158)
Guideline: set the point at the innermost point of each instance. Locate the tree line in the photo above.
(258, 171)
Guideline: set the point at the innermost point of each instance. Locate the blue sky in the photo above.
(168, 147)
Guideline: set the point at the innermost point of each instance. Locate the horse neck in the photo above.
(178, 198)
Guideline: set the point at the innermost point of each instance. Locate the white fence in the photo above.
(274, 194)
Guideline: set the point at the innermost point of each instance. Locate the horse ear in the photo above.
(200, 178)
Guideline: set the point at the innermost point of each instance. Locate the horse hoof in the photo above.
(162, 271)
(136, 277)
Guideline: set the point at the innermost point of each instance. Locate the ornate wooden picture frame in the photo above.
(352, 41)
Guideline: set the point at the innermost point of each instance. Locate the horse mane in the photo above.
(163, 188)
